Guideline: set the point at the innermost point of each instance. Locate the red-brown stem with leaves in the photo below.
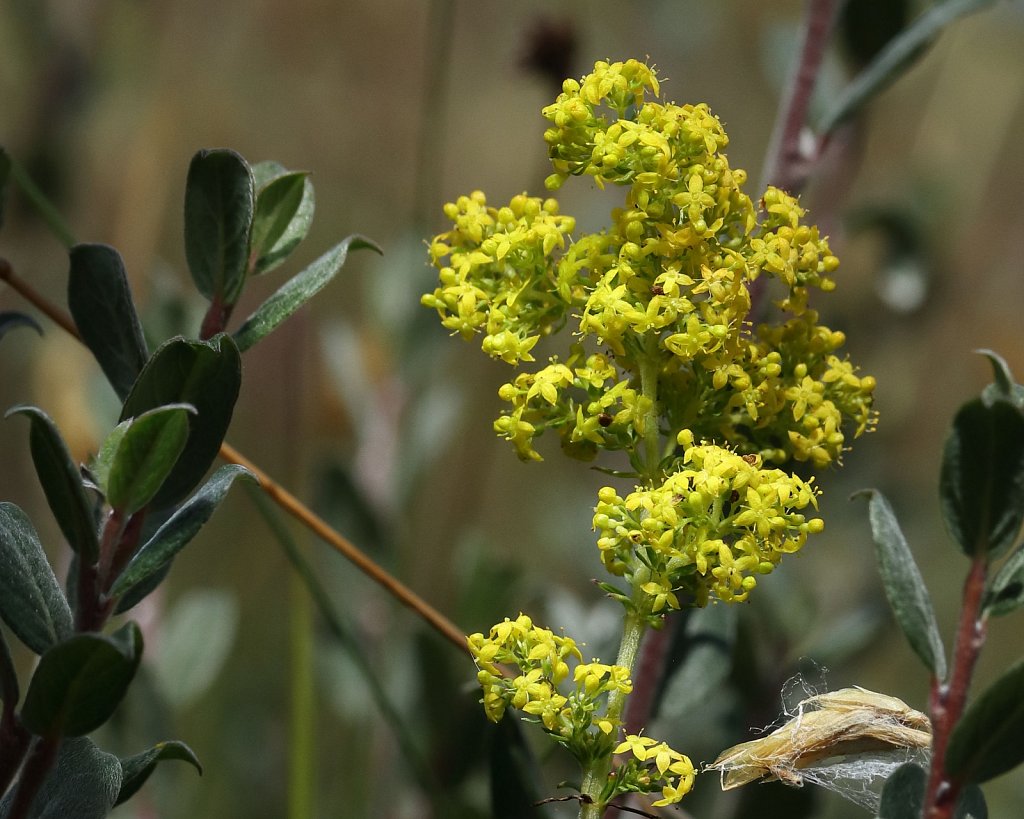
(33, 774)
(216, 318)
(948, 699)
(787, 165)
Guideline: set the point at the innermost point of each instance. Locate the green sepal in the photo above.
(297, 291)
(981, 486)
(178, 530)
(10, 319)
(219, 205)
(904, 587)
(31, 601)
(137, 769)
(1005, 592)
(80, 681)
(62, 483)
(146, 453)
(101, 304)
(986, 742)
(903, 793)
(205, 374)
(615, 593)
(83, 784)
(284, 212)
(1004, 387)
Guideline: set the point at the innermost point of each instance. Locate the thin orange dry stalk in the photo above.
(277, 493)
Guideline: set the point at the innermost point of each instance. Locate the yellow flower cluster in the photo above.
(706, 531)
(540, 657)
(498, 277)
(670, 281)
(652, 766)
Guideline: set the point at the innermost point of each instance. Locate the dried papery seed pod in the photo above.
(841, 723)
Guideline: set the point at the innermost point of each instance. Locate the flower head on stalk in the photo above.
(707, 531)
(648, 766)
(537, 682)
(667, 282)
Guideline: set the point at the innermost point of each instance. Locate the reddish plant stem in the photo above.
(786, 165)
(216, 318)
(947, 700)
(14, 740)
(93, 580)
(110, 542)
(126, 548)
(40, 302)
(33, 774)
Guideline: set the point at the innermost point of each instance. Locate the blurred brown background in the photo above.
(395, 108)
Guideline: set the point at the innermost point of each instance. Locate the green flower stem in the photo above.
(593, 782)
(595, 775)
(632, 631)
(649, 388)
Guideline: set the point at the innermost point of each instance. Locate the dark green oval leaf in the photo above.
(903, 794)
(139, 592)
(31, 602)
(145, 456)
(79, 682)
(205, 374)
(904, 586)
(219, 202)
(138, 768)
(100, 466)
(9, 320)
(62, 483)
(982, 479)
(1005, 591)
(296, 292)
(284, 212)
(179, 529)
(987, 740)
(83, 784)
(101, 304)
